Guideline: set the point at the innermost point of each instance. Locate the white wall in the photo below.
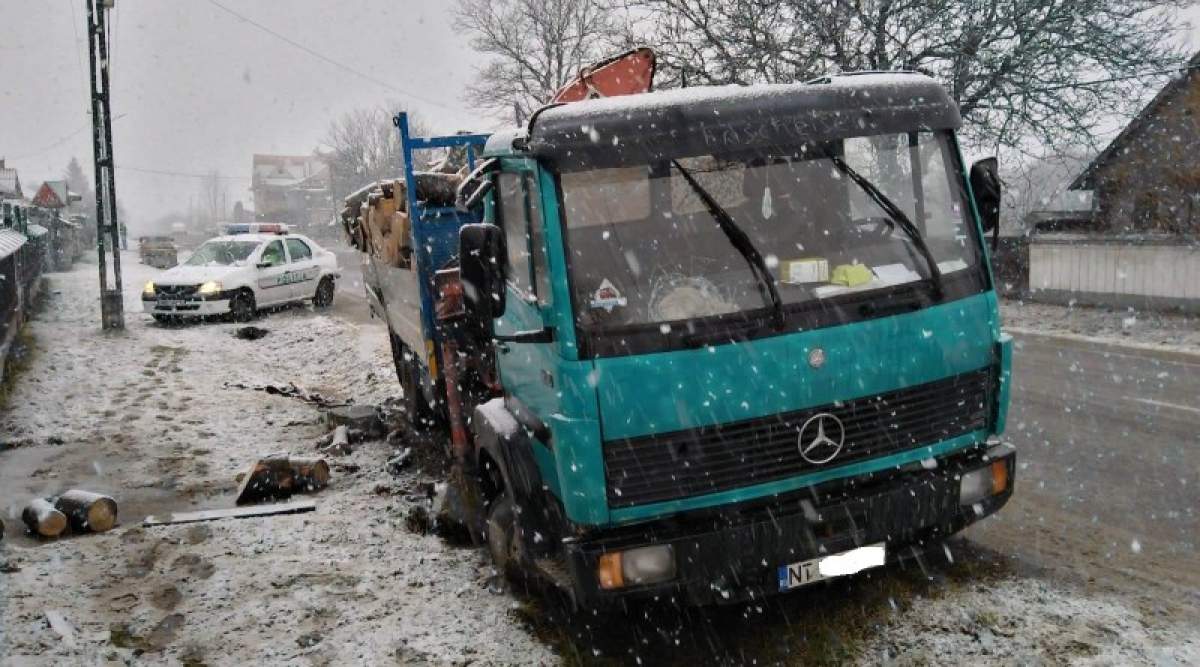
(1095, 268)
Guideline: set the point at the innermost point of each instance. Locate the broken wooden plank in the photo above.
(60, 624)
(231, 513)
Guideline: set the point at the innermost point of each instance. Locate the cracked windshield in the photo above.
(599, 332)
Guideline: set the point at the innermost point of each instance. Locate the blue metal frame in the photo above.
(434, 228)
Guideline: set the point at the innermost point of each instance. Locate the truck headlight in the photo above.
(979, 484)
(644, 565)
(148, 290)
(210, 287)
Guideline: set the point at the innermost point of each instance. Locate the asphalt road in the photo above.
(1108, 484)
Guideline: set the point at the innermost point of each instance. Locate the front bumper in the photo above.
(193, 306)
(734, 553)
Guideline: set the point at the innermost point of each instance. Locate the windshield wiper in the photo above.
(738, 238)
(898, 216)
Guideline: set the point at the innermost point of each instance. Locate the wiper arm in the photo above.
(897, 215)
(740, 241)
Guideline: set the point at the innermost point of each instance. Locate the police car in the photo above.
(253, 266)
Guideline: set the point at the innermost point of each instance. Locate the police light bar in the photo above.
(256, 228)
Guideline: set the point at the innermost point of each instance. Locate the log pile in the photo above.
(81, 511)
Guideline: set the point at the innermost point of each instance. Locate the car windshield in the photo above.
(644, 248)
(222, 253)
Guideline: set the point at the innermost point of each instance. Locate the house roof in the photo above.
(1085, 179)
(54, 194)
(10, 241)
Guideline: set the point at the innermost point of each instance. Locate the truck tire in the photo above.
(408, 372)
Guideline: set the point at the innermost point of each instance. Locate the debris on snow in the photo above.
(87, 511)
(43, 518)
(250, 333)
(294, 507)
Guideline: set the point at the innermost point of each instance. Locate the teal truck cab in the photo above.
(720, 342)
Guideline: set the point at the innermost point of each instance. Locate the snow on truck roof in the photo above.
(717, 119)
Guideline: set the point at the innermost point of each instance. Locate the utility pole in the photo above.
(108, 231)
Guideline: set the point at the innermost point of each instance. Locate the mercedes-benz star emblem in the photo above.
(821, 438)
(816, 357)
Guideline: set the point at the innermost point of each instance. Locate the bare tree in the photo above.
(363, 146)
(1053, 70)
(533, 46)
(212, 199)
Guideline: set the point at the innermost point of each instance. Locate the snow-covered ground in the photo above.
(1138, 328)
(147, 415)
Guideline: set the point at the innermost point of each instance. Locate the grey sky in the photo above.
(198, 89)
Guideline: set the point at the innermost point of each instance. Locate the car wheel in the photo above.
(324, 296)
(241, 306)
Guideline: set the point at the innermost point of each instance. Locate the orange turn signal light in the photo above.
(999, 477)
(608, 571)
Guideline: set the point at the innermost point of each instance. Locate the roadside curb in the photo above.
(1164, 351)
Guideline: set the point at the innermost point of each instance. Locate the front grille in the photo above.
(694, 462)
(175, 291)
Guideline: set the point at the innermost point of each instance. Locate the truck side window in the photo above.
(537, 238)
(516, 229)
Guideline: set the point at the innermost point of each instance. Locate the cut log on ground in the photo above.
(309, 474)
(231, 513)
(268, 478)
(363, 417)
(43, 519)
(340, 442)
(278, 476)
(88, 511)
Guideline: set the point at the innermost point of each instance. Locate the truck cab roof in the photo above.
(615, 131)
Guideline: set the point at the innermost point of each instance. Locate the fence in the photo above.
(1139, 272)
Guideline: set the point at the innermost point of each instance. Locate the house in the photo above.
(1140, 247)
(295, 189)
(10, 183)
(55, 195)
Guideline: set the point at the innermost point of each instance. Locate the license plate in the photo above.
(849, 562)
(168, 304)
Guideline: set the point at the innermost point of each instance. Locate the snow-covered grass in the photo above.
(1121, 326)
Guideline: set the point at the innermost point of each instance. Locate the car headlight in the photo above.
(149, 288)
(210, 287)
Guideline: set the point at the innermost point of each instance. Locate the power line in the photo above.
(327, 59)
(52, 146)
(1125, 77)
(184, 174)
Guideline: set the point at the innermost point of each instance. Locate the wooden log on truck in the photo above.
(88, 511)
(43, 519)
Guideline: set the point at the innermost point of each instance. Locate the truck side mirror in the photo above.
(477, 184)
(483, 255)
(985, 183)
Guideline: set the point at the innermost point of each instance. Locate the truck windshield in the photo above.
(644, 249)
(222, 253)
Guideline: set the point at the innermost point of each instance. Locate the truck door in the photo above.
(527, 370)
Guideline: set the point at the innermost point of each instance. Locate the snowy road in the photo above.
(1094, 560)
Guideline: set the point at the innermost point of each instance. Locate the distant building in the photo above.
(295, 189)
(1148, 178)
(1141, 246)
(10, 183)
(55, 195)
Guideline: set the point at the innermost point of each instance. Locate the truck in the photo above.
(706, 344)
